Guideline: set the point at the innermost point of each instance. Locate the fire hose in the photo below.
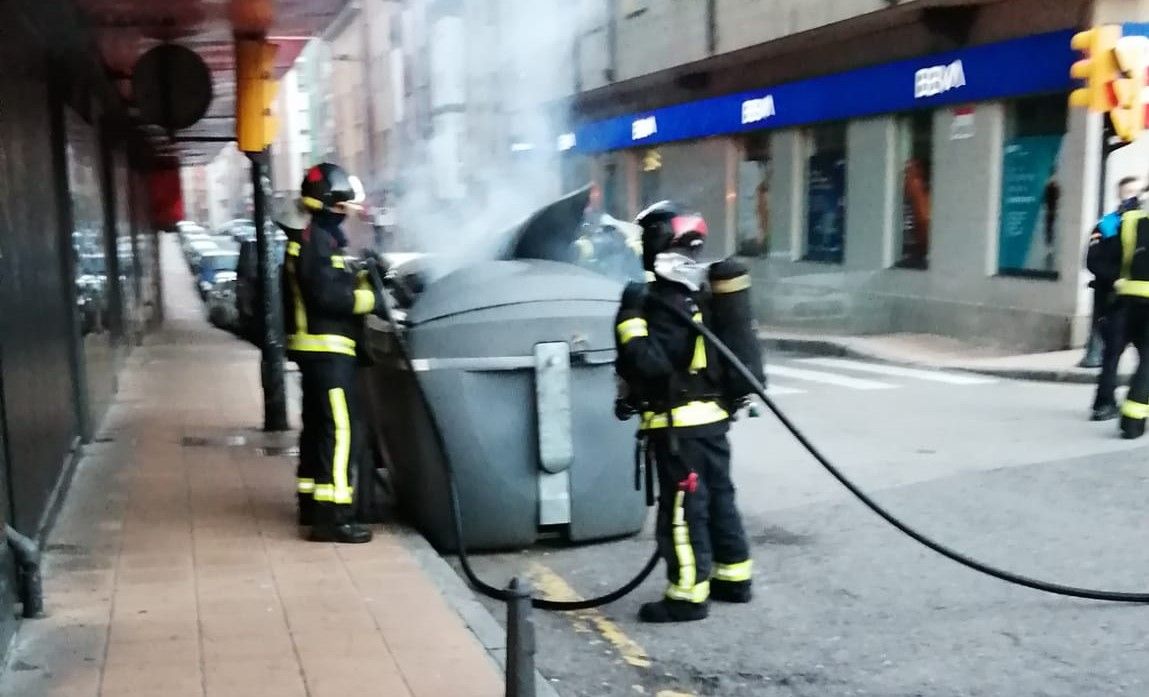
(819, 457)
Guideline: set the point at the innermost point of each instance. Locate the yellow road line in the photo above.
(553, 587)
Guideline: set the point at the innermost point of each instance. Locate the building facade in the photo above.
(884, 167)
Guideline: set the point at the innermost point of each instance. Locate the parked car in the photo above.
(211, 264)
(196, 249)
(239, 229)
(220, 302)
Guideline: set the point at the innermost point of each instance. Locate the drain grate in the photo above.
(213, 441)
(287, 451)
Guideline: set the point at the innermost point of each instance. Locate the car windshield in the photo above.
(224, 261)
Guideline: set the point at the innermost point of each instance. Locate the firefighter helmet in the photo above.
(328, 187)
(667, 225)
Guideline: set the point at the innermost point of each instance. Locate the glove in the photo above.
(371, 258)
(633, 296)
(623, 409)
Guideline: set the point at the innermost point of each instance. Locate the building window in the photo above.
(649, 177)
(1031, 191)
(915, 153)
(753, 205)
(826, 194)
(613, 198)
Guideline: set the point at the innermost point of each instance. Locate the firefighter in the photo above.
(1108, 318)
(324, 303)
(665, 367)
(1118, 257)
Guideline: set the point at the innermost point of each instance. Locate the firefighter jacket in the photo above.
(323, 298)
(665, 364)
(1121, 258)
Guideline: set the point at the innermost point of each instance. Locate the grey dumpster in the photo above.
(514, 360)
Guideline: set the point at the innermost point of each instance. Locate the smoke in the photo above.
(489, 81)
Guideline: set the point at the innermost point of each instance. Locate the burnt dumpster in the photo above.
(513, 360)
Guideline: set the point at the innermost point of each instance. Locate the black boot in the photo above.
(338, 526)
(305, 505)
(1132, 428)
(1105, 412)
(731, 591)
(667, 610)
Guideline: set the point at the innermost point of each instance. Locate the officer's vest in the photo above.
(1134, 281)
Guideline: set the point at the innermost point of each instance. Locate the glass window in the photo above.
(1031, 191)
(753, 208)
(649, 177)
(613, 200)
(915, 153)
(826, 194)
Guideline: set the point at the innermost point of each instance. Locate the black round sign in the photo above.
(172, 86)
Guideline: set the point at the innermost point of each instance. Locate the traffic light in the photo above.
(1128, 115)
(255, 89)
(1097, 68)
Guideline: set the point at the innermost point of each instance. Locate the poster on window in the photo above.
(826, 208)
(1030, 200)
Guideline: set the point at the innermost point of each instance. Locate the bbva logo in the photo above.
(643, 128)
(755, 110)
(930, 82)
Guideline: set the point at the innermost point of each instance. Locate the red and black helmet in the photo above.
(667, 225)
(325, 186)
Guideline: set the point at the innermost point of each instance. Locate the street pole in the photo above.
(272, 363)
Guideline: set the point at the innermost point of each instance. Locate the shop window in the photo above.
(753, 204)
(1031, 189)
(826, 194)
(649, 177)
(613, 200)
(915, 154)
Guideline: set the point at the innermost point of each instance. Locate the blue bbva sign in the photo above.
(1030, 65)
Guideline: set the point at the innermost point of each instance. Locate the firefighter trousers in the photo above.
(1110, 319)
(1136, 407)
(699, 529)
(328, 442)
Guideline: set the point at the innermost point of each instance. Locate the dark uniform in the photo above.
(666, 367)
(324, 304)
(1108, 320)
(1123, 257)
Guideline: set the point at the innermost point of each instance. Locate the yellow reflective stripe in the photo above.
(1129, 223)
(698, 594)
(321, 343)
(1135, 410)
(305, 486)
(683, 552)
(293, 249)
(338, 262)
(632, 329)
(340, 459)
(698, 360)
(731, 285)
(325, 493)
(312, 203)
(648, 275)
(733, 572)
(1124, 286)
(296, 295)
(364, 302)
(690, 414)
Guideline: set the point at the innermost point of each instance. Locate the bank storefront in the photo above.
(948, 194)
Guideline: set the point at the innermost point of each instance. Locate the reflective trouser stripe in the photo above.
(691, 414)
(341, 458)
(733, 572)
(1125, 286)
(1135, 410)
(305, 486)
(325, 493)
(687, 587)
(321, 343)
(364, 302)
(632, 329)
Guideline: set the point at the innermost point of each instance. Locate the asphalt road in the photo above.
(1012, 473)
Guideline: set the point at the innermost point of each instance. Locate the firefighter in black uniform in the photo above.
(664, 364)
(325, 300)
(1123, 257)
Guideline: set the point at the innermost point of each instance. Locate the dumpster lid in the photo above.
(499, 283)
(549, 232)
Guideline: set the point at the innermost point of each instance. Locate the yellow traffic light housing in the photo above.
(255, 122)
(1096, 69)
(1131, 56)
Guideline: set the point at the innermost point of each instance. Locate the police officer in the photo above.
(1108, 318)
(664, 364)
(324, 303)
(1123, 257)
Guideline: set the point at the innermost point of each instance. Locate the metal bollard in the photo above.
(520, 640)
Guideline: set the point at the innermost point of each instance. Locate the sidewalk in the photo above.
(944, 353)
(176, 569)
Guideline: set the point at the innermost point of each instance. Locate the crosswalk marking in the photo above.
(897, 371)
(827, 378)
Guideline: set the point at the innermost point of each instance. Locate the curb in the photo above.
(462, 600)
(842, 349)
